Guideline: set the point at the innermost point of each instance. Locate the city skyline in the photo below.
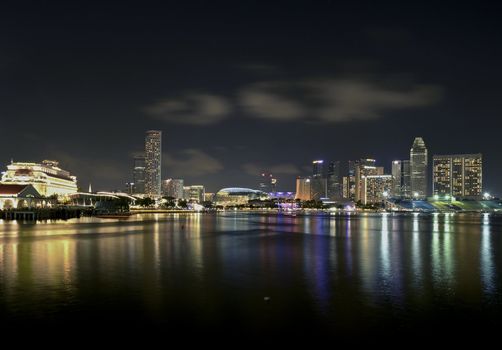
(329, 179)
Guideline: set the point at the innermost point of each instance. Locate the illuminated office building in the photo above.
(318, 183)
(334, 181)
(363, 168)
(397, 177)
(459, 175)
(401, 176)
(418, 169)
(153, 163)
(376, 188)
(172, 188)
(349, 181)
(194, 193)
(138, 175)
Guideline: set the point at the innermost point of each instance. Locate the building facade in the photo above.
(418, 168)
(364, 168)
(406, 179)
(47, 178)
(235, 196)
(349, 181)
(13, 196)
(396, 177)
(318, 168)
(334, 180)
(138, 175)
(459, 175)
(173, 188)
(153, 163)
(376, 188)
(401, 177)
(318, 183)
(194, 193)
(303, 186)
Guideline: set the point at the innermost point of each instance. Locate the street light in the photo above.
(487, 196)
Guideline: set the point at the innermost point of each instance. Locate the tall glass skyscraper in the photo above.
(401, 175)
(318, 168)
(318, 185)
(153, 163)
(405, 179)
(397, 176)
(418, 167)
(138, 175)
(334, 180)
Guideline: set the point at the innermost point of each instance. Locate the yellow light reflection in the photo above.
(486, 255)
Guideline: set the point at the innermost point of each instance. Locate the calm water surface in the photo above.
(338, 275)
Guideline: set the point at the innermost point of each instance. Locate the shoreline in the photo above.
(63, 214)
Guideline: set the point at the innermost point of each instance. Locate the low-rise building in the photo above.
(19, 196)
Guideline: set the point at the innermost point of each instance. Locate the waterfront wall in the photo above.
(45, 213)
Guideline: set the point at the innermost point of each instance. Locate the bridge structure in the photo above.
(87, 199)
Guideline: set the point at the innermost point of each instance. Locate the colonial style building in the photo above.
(46, 177)
(19, 196)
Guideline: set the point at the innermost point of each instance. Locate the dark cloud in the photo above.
(191, 108)
(332, 100)
(321, 100)
(190, 163)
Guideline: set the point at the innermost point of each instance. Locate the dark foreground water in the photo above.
(356, 277)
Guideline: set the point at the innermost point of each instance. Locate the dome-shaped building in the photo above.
(233, 196)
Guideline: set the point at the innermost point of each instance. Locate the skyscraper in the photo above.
(138, 175)
(418, 167)
(349, 181)
(318, 184)
(153, 163)
(334, 180)
(397, 177)
(401, 175)
(365, 167)
(405, 179)
(459, 175)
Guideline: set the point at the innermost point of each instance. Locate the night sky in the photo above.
(243, 87)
